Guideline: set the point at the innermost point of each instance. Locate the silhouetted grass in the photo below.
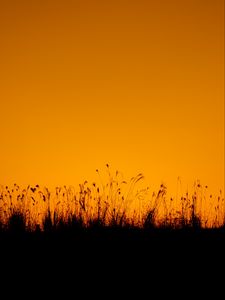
(96, 230)
(116, 204)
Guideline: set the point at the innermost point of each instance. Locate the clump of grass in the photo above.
(16, 223)
(114, 202)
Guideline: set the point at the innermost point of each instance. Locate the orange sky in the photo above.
(136, 84)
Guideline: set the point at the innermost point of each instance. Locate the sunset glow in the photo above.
(136, 84)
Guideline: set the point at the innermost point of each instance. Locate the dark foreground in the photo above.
(160, 261)
(153, 246)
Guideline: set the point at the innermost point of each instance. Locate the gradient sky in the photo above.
(136, 84)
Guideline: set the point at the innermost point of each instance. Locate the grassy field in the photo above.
(115, 214)
(115, 203)
(96, 230)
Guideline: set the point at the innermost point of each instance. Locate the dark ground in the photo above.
(171, 259)
(156, 246)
